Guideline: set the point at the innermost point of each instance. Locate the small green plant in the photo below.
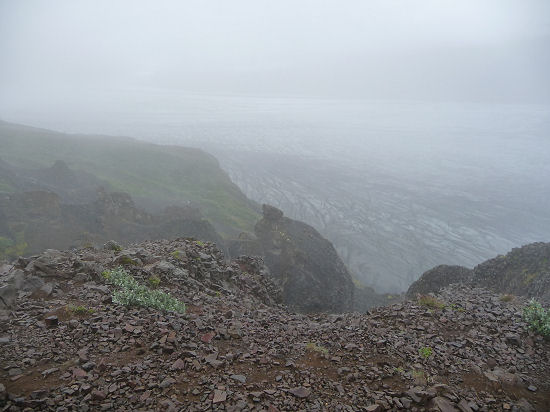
(131, 293)
(176, 254)
(154, 281)
(399, 369)
(538, 318)
(316, 348)
(425, 352)
(507, 298)
(199, 242)
(431, 302)
(79, 310)
(126, 260)
(218, 294)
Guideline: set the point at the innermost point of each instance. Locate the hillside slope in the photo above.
(155, 176)
(523, 271)
(67, 344)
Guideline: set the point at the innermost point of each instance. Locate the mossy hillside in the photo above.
(164, 174)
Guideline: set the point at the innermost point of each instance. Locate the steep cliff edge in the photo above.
(306, 265)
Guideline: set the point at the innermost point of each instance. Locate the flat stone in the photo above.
(167, 382)
(98, 395)
(444, 404)
(300, 392)
(219, 396)
(179, 364)
(240, 378)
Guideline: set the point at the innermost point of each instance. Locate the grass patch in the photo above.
(78, 310)
(507, 298)
(131, 293)
(154, 281)
(176, 254)
(425, 352)
(316, 348)
(537, 318)
(166, 175)
(431, 302)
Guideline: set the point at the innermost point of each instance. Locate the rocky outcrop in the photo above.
(306, 265)
(67, 345)
(72, 186)
(437, 278)
(523, 271)
(31, 222)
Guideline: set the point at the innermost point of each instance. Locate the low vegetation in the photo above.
(154, 281)
(316, 348)
(431, 302)
(425, 352)
(537, 318)
(131, 293)
(78, 310)
(507, 298)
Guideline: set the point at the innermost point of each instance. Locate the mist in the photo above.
(409, 133)
(493, 50)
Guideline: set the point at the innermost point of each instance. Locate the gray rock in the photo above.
(8, 296)
(239, 378)
(112, 245)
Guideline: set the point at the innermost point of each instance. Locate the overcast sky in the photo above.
(474, 50)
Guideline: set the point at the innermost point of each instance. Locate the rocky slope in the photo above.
(66, 346)
(33, 221)
(523, 271)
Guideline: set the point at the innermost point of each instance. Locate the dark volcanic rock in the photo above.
(312, 275)
(45, 221)
(437, 278)
(523, 271)
(474, 353)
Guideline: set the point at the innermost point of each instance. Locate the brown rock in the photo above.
(79, 373)
(300, 392)
(51, 321)
(207, 337)
(179, 364)
(444, 404)
(98, 395)
(219, 396)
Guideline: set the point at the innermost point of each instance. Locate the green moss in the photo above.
(176, 254)
(316, 348)
(79, 310)
(154, 281)
(127, 261)
(431, 302)
(425, 352)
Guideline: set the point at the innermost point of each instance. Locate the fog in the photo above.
(491, 50)
(410, 133)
